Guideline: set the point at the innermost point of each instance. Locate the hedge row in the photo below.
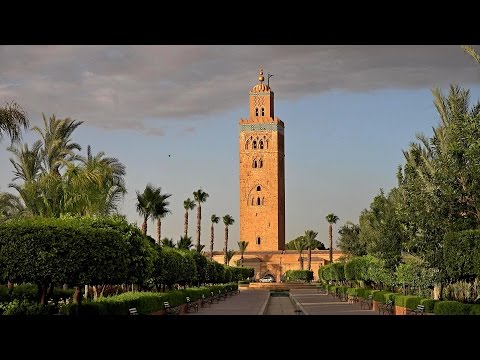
(299, 275)
(29, 292)
(145, 302)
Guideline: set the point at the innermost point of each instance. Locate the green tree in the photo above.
(200, 197)
(12, 119)
(58, 148)
(184, 243)
(228, 221)
(242, 247)
(160, 210)
(27, 162)
(317, 244)
(299, 245)
(229, 255)
(332, 219)
(310, 243)
(146, 204)
(188, 204)
(214, 219)
(168, 242)
(349, 241)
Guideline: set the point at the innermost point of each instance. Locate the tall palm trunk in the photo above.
(212, 236)
(185, 222)
(330, 234)
(300, 259)
(144, 226)
(199, 220)
(159, 230)
(309, 263)
(225, 246)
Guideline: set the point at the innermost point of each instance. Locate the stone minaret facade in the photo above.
(262, 173)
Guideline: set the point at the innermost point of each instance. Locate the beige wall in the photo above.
(277, 263)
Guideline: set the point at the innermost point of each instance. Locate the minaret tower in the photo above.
(262, 173)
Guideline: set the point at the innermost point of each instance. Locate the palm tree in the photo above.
(310, 243)
(332, 219)
(227, 220)
(299, 245)
(146, 204)
(185, 243)
(27, 162)
(200, 249)
(10, 206)
(160, 210)
(188, 204)
(229, 256)
(471, 51)
(215, 219)
(58, 149)
(12, 119)
(168, 242)
(242, 247)
(200, 196)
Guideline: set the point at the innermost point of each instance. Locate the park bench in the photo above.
(214, 297)
(419, 310)
(170, 310)
(133, 311)
(367, 302)
(205, 301)
(386, 308)
(352, 299)
(191, 305)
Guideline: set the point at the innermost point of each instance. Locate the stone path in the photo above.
(254, 302)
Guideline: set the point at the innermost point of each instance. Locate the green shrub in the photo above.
(299, 275)
(451, 308)
(338, 271)
(409, 302)
(429, 304)
(244, 282)
(356, 268)
(383, 296)
(475, 310)
(25, 307)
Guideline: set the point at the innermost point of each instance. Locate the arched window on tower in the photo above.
(258, 200)
(260, 144)
(259, 188)
(254, 144)
(252, 201)
(263, 200)
(246, 145)
(263, 111)
(254, 163)
(256, 111)
(260, 163)
(258, 240)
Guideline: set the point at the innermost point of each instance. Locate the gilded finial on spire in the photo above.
(260, 77)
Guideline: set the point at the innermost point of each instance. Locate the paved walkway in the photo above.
(253, 302)
(315, 303)
(248, 302)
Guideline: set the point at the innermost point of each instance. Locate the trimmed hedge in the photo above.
(475, 310)
(299, 275)
(429, 304)
(409, 302)
(383, 296)
(356, 268)
(451, 308)
(145, 302)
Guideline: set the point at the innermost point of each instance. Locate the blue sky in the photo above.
(346, 121)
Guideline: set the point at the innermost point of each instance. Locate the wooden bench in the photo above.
(386, 308)
(205, 301)
(420, 310)
(133, 311)
(368, 302)
(191, 305)
(170, 310)
(352, 299)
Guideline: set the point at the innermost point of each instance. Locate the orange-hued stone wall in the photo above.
(262, 173)
(277, 263)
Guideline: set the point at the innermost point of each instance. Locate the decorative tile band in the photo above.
(260, 127)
